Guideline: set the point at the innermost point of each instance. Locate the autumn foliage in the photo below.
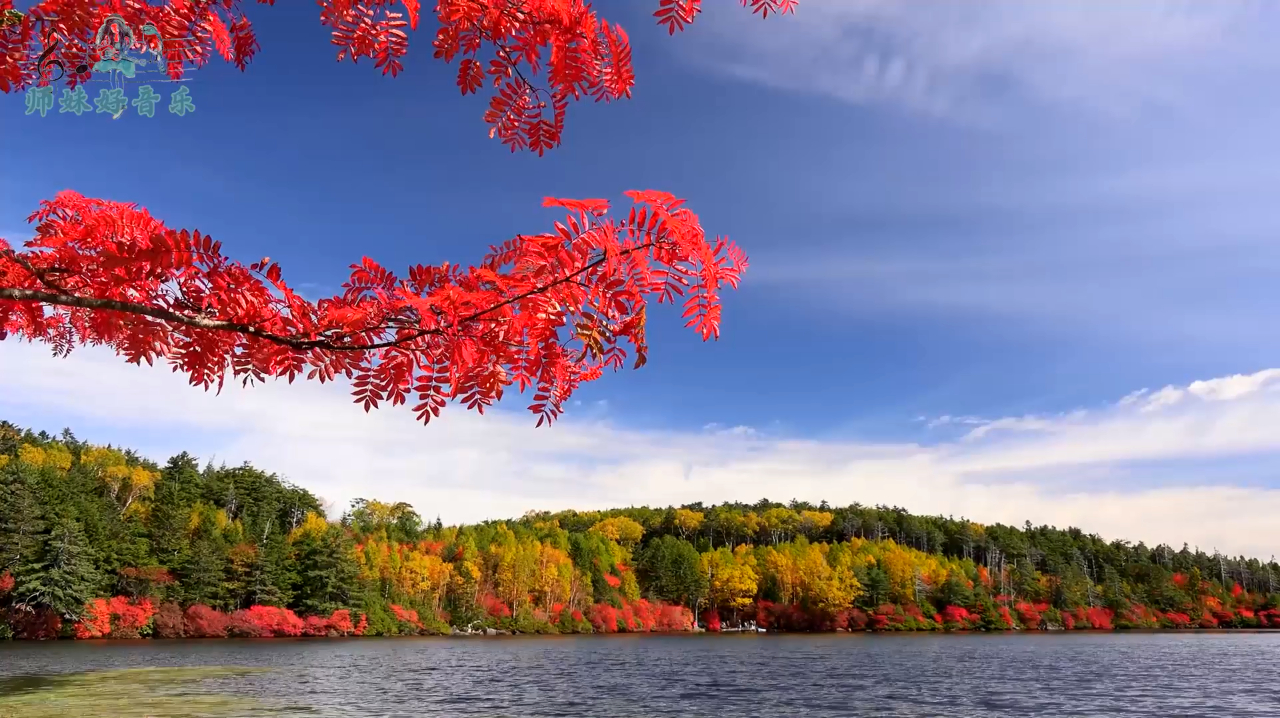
(117, 617)
(265, 562)
(544, 312)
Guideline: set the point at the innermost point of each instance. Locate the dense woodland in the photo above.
(98, 542)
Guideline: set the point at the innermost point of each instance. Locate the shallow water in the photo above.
(1124, 674)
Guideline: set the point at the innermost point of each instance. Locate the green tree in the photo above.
(21, 518)
(324, 570)
(877, 586)
(269, 584)
(953, 592)
(61, 577)
(177, 490)
(203, 566)
(670, 569)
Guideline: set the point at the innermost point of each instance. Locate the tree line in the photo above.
(96, 541)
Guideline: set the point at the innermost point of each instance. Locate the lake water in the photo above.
(1126, 674)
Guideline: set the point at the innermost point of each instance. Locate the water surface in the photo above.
(1019, 675)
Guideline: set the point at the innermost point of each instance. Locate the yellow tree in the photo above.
(688, 522)
(900, 569)
(780, 569)
(425, 578)
(827, 582)
(514, 566)
(555, 576)
(780, 524)
(620, 529)
(54, 456)
(813, 523)
(731, 576)
(750, 525)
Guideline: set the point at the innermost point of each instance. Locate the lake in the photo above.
(1056, 674)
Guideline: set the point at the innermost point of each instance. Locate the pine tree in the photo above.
(62, 577)
(175, 492)
(268, 583)
(21, 518)
(324, 571)
(204, 564)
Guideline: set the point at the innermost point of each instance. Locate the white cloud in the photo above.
(1228, 388)
(953, 56)
(468, 467)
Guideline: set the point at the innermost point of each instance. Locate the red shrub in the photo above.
(494, 607)
(6, 583)
(1180, 580)
(39, 625)
(1002, 617)
(1028, 615)
(265, 622)
(1174, 619)
(612, 580)
(712, 620)
(340, 622)
(407, 616)
(957, 617)
(96, 622)
(169, 621)
(200, 621)
(674, 619)
(315, 626)
(604, 618)
(129, 618)
(241, 625)
(857, 620)
(1100, 618)
(118, 617)
(362, 625)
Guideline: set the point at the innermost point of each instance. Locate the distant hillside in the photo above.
(97, 542)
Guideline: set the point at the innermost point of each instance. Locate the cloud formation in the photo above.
(955, 57)
(1122, 471)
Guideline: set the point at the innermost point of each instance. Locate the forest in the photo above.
(98, 542)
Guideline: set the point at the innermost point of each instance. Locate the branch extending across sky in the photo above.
(547, 311)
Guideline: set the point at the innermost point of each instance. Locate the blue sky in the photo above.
(999, 211)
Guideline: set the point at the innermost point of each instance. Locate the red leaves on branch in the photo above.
(544, 312)
(509, 44)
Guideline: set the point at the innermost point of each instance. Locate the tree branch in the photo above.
(66, 299)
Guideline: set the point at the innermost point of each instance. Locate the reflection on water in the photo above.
(139, 692)
(997, 676)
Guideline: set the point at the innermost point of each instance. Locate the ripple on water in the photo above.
(772, 675)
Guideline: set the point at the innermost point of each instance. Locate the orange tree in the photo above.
(546, 311)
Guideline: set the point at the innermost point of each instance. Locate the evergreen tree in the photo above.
(268, 585)
(953, 592)
(877, 586)
(21, 518)
(61, 577)
(324, 570)
(670, 567)
(203, 566)
(175, 492)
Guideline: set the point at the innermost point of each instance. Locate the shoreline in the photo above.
(702, 632)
